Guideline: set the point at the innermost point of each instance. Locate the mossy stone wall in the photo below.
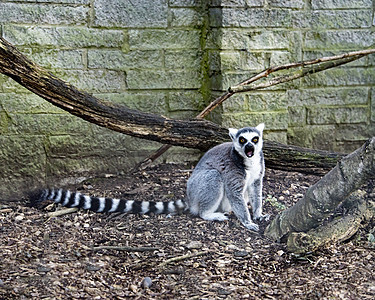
(172, 57)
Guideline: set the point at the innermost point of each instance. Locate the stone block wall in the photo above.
(332, 110)
(172, 57)
(145, 54)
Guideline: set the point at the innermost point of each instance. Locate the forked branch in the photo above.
(323, 63)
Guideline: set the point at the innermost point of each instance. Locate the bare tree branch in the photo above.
(244, 86)
(197, 133)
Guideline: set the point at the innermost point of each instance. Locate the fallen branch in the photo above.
(125, 248)
(183, 257)
(197, 133)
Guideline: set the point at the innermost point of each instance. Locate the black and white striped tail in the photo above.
(74, 199)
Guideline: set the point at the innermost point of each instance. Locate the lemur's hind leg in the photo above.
(205, 195)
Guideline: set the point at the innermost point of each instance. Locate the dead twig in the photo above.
(266, 72)
(182, 257)
(286, 78)
(62, 212)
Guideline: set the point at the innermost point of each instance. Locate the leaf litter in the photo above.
(86, 255)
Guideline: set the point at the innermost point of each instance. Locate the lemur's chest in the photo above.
(253, 171)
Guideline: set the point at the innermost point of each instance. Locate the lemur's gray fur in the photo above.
(227, 178)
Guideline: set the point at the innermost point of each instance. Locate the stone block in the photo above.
(56, 59)
(130, 14)
(163, 79)
(185, 3)
(67, 37)
(43, 14)
(371, 58)
(147, 101)
(75, 2)
(296, 4)
(4, 119)
(236, 103)
(332, 19)
(185, 17)
(266, 100)
(21, 124)
(297, 116)
(107, 143)
(354, 132)
(328, 96)
(120, 144)
(95, 81)
(118, 60)
(241, 60)
(228, 3)
(337, 115)
(321, 137)
(8, 85)
(184, 100)
(183, 59)
(181, 155)
(23, 162)
(372, 103)
(334, 4)
(249, 17)
(237, 3)
(273, 120)
(63, 171)
(254, 39)
(26, 103)
(153, 39)
(282, 58)
(339, 39)
(276, 136)
(64, 146)
(345, 77)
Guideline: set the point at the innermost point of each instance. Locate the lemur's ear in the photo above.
(260, 127)
(232, 133)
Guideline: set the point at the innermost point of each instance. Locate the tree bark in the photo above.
(338, 230)
(196, 133)
(322, 198)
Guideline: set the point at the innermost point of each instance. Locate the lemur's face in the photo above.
(247, 141)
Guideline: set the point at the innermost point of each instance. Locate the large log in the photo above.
(199, 134)
(322, 198)
(338, 230)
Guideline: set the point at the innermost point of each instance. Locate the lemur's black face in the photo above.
(247, 141)
(248, 146)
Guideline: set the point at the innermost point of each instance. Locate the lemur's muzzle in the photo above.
(249, 150)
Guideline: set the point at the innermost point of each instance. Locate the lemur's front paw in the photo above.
(251, 226)
(265, 217)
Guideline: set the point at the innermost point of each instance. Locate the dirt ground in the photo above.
(179, 257)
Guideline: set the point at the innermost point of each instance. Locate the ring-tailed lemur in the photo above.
(227, 178)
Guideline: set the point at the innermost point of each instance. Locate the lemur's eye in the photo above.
(242, 140)
(255, 140)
